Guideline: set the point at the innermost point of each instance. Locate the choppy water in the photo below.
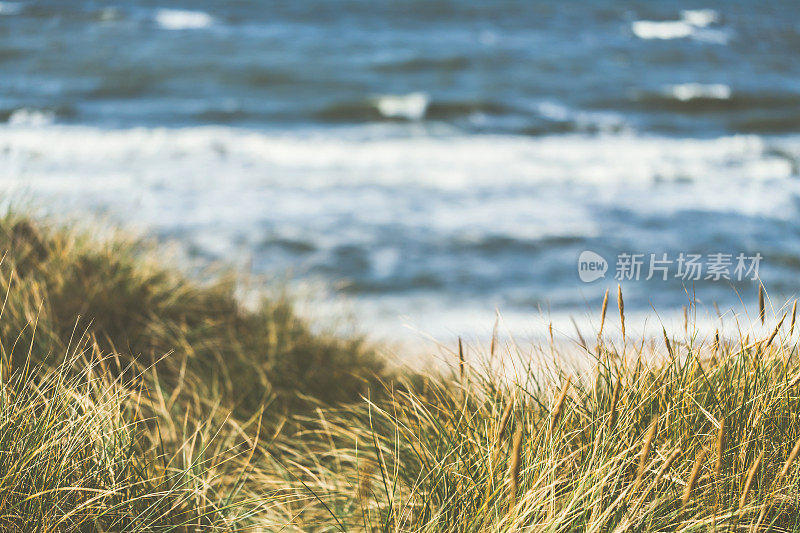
(428, 159)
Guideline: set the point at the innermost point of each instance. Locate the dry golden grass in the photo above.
(170, 407)
(136, 399)
(694, 440)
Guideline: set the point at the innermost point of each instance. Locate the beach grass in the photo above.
(136, 398)
(66, 284)
(704, 439)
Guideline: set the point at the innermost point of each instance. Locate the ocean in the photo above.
(426, 162)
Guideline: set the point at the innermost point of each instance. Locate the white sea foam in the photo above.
(690, 91)
(218, 176)
(10, 8)
(347, 157)
(228, 191)
(694, 23)
(669, 29)
(410, 106)
(700, 18)
(31, 117)
(214, 184)
(179, 19)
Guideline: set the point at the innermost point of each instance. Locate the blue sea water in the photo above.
(430, 160)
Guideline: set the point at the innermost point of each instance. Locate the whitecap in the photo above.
(700, 18)
(693, 23)
(179, 19)
(31, 117)
(10, 8)
(690, 91)
(410, 106)
(668, 29)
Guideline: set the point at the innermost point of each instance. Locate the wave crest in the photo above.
(694, 23)
(410, 106)
(179, 19)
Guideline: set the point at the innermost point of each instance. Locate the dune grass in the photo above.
(67, 282)
(693, 436)
(137, 399)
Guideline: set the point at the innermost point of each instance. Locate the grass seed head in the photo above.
(667, 464)
(775, 332)
(603, 315)
(693, 476)
(644, 455)
(559, 406)
(513, 467)
(501, 427)
(720, 449)
(789, 461)
(748, 483)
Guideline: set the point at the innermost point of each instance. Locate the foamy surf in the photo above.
(691, 91)
(408, 106)
(693, 23)
(700, 18)
(179, 19)
(31, 117)
(391, 216)
(670, 29)
(365, 156)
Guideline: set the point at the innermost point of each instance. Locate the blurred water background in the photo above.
(428, 160)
